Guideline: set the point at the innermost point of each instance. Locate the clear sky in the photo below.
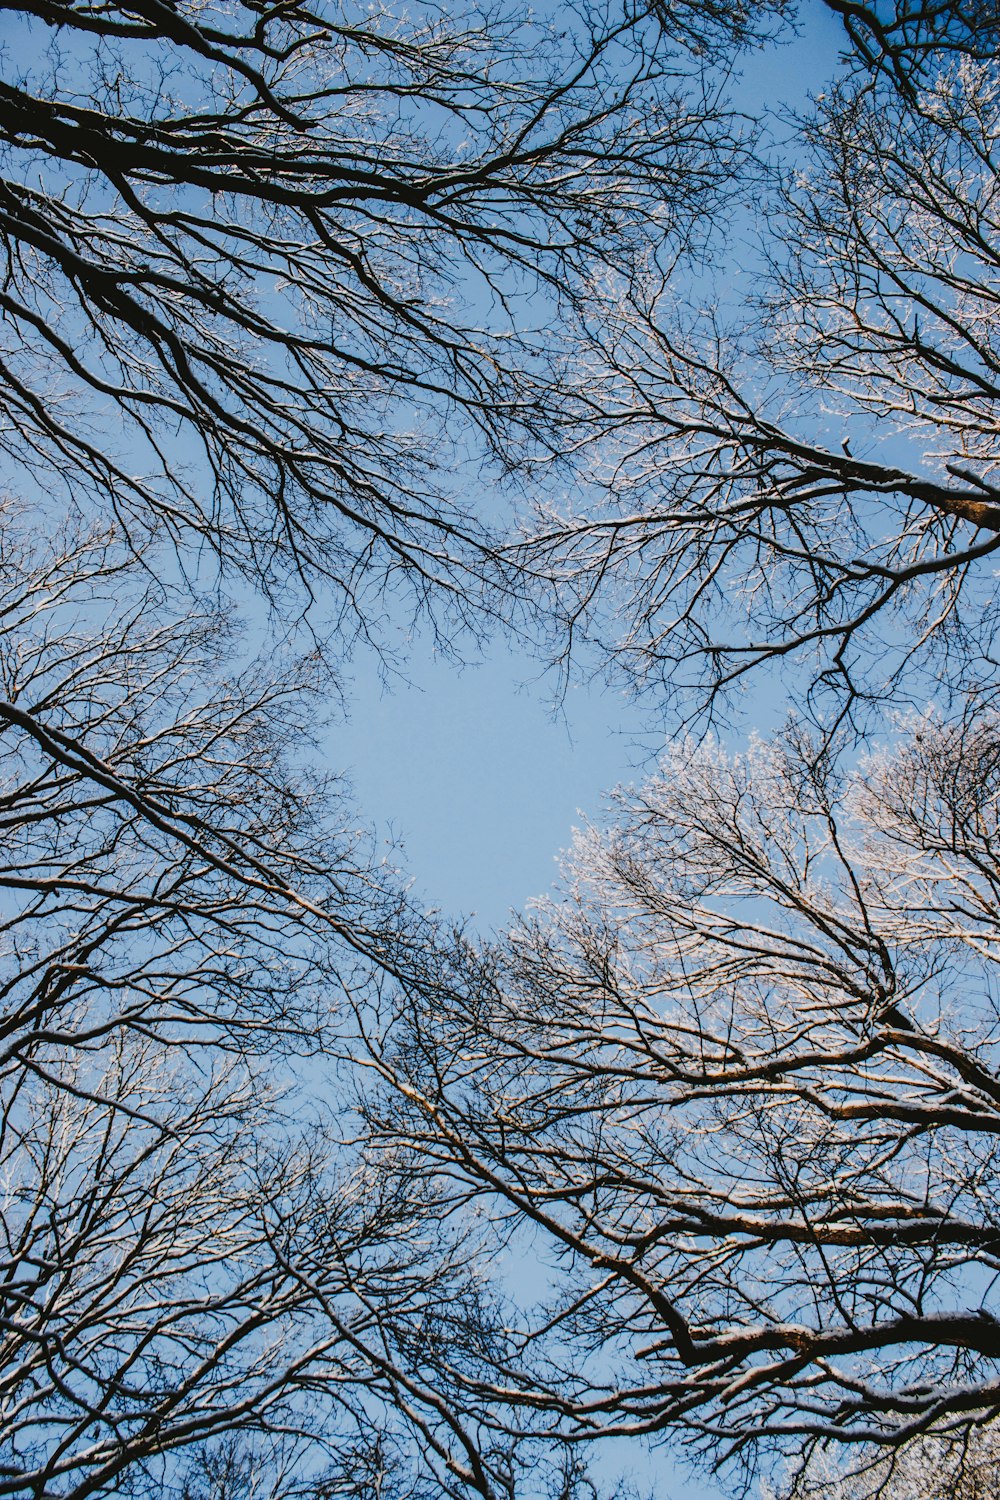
(477, 777)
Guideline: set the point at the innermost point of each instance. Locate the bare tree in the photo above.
(182, 1265)
(284, 277)
(739, 1083)
(800, 457)
(199, 1261)
(907, 39)
(959, 1466)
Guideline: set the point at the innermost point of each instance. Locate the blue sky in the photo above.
(478, 777)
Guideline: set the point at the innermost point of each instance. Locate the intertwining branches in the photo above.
(197, 1255)
(162, 840)
(282, 275)
(960, 1465)
(183, 1268)
(808, 467)
(908, 40)
(276, 283)
(741, 1078)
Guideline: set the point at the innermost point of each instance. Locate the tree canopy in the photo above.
(307, 302)
(741, 1075)
(807, 472)
(270, 270)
